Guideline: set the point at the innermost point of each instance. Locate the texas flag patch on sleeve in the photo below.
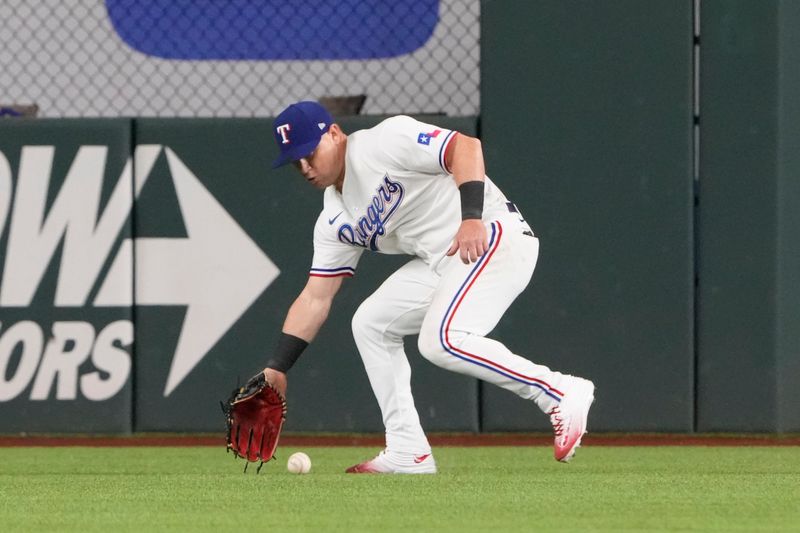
(425, 138)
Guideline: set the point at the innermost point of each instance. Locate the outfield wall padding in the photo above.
(64, 361)
(211, 224)
(749, 216)
(586, 122)
(147, 266)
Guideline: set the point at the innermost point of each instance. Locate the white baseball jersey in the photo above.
(398, 197)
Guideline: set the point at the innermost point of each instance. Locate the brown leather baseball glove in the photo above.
(254, 416)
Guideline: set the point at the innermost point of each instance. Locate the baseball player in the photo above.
(406, 187)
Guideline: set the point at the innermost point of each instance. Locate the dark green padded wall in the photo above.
(789, 218)
(586, 122)
(749, 262)
(96, 395)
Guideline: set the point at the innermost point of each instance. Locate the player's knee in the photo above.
(434, 346)
(360, 322)
(428, 345)
(428, 339)
(363, 321)
(440, 348)
(430, 342)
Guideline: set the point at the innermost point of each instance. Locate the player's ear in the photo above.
(336, 133)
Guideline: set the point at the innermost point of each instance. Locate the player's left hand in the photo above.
(471, 241)
(254, 416)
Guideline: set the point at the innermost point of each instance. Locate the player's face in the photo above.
(325, 165)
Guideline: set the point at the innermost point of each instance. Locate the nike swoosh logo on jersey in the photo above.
(421, 458)
(332, 220)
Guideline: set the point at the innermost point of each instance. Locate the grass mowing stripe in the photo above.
(507, 489)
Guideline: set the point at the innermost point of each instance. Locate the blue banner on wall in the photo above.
(274, 29)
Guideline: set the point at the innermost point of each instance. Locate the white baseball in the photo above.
(299, 463)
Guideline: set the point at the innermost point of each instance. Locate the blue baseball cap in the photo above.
(298, 130)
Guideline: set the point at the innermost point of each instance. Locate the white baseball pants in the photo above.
(452, 310)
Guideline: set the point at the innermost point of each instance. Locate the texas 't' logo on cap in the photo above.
(283, 130)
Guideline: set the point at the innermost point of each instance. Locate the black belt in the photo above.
(512, 208)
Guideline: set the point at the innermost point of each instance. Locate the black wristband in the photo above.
(287, 352)
(471, 199)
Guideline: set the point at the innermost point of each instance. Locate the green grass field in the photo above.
(477, 489)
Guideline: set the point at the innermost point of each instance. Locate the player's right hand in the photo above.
(471, 241)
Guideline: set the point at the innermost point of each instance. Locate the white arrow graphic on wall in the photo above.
(217, 271)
